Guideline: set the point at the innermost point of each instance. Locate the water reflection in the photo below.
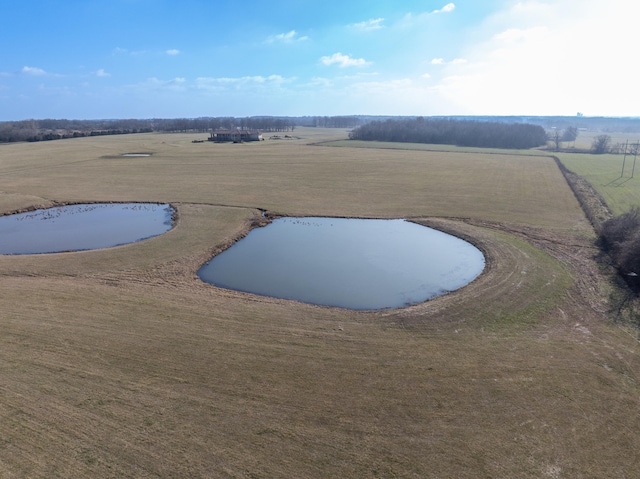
(82, 227)
(349, 263)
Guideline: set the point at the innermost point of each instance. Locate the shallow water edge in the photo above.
(350, 263)
(82, 226)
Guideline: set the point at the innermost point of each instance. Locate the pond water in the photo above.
(349, 263)
(82, 227)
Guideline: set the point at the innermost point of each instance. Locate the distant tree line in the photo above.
(582, 122)
(54, 129)
(205, 124)
(335, 121)
(43, 130)
(485, 134)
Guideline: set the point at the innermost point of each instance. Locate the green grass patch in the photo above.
(604, 172)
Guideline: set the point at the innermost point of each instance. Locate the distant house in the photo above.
(236, 136)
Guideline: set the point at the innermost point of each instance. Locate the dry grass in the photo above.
(290, 177)
(121, 363)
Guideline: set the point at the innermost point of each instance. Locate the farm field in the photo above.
(620, 190)
(585, 139)
(122, 363)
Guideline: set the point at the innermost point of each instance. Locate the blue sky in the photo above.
(88, 59)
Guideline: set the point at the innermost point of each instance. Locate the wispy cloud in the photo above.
(102, 73)
(449, 7)
(415, 20)
(173, 52)
(33, 71)
(226, 83)
(512, 35)
(125, 51)
(343, 61)
(382, 86)
(320, 82)
(289, 37)
(369, 25)
(441, 61)
(177, 84)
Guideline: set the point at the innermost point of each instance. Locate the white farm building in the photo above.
(236, 136)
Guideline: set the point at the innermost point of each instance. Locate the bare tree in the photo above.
(601, 144)
(570, 134)
(556, 138)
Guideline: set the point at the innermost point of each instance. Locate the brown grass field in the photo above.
(120, 363)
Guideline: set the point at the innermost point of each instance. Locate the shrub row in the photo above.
(620, 237)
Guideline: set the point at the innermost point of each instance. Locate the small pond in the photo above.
(82, 227)
(349, 263)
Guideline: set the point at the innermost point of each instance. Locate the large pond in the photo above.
(82, 227)
(349, 263)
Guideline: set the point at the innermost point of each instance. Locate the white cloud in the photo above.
(125, 51)
(33, 71)
(401, 86)
(543, 57)
(449, 7)
(320, 82)
(422, 19)
(226, 83)
(369, 25)
(343, 61)
(173, 52)
(393, 96)
(455, 61)
(289, 37)
(102, 73)
(511, 35)
(177, 84)
(426, 76)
